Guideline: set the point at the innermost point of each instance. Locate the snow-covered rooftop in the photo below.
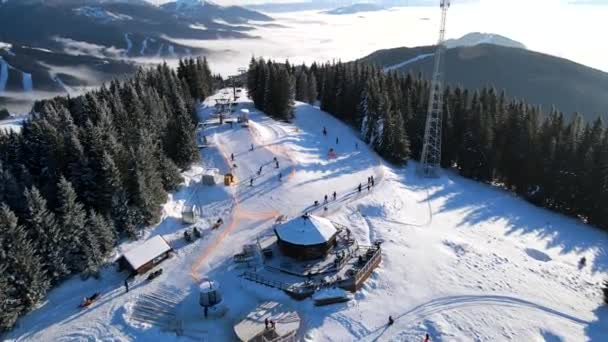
(306, 230)
(147, 251)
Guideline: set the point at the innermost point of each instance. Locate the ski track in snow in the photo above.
(129, 44)
(144, 46)
(3, 75)
(28, 82)
(457, 263)
(171, 50)
(409, 61)
(160, 50)
(60, 82)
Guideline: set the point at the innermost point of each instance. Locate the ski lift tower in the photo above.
(430, 159)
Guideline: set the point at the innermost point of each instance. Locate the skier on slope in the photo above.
(359, 187)
(427, 338)
(324, 131)
(232, 156)
(337, 141)
(335, 195)
(325, 198)
(251, 182)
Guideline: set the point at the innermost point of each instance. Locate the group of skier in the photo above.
(370, 183)
(338, 139)
(259, 172)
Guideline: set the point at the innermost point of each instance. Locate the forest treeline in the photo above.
(88, 170)
(552, 160)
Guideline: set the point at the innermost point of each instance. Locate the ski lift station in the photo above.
(145, 256)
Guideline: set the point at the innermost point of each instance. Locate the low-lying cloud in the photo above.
(80, 48)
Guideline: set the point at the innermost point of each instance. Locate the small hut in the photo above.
(208, 177)
(306, 237)
(284, 326)
(190, 214)
(145, 256)
(228, 179)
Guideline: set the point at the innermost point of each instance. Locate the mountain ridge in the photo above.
(540, 79)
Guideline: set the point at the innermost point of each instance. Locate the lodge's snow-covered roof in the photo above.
(147, 251)
(306, 230)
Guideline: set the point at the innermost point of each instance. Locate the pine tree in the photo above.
(312, 89)
(10, 305)
(302, 86)
(127, 219)
(92, 257)
(45, 234)
(72, 219)
(605, 290)
(27, 275)
(109, 183)
(103, 230)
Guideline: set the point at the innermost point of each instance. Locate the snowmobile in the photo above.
(155, 274)
(87, 301)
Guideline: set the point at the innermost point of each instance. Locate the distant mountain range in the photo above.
(476, 38)
(58, 45)
(535, 77)
(355, 8)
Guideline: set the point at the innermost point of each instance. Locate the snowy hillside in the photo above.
(461, 261)
(476, 38)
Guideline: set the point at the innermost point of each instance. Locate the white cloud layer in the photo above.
(546, 26)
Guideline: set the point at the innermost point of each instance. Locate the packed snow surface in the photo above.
(461, 261)
(309, 230)
(147, 251)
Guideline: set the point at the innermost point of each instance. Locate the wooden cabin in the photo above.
(144, 257)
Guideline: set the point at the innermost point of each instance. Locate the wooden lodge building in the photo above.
(144, 257)
(306, 238)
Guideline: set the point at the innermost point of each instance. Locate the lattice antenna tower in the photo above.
(430, 159)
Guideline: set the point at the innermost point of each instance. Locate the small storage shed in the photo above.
(228, 179)
(306, 237)
(253, 328)
(190, 214)
(209, 177)
(145, 256)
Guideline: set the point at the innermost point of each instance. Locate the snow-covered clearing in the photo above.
(462, 261)
(409, 61)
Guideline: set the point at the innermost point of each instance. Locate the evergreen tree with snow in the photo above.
(72, 218)
(103, 230)
(46, 235)
(10, 305)
(312, 94)
(17, 252)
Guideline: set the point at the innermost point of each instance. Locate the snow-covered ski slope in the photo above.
(462, 261)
